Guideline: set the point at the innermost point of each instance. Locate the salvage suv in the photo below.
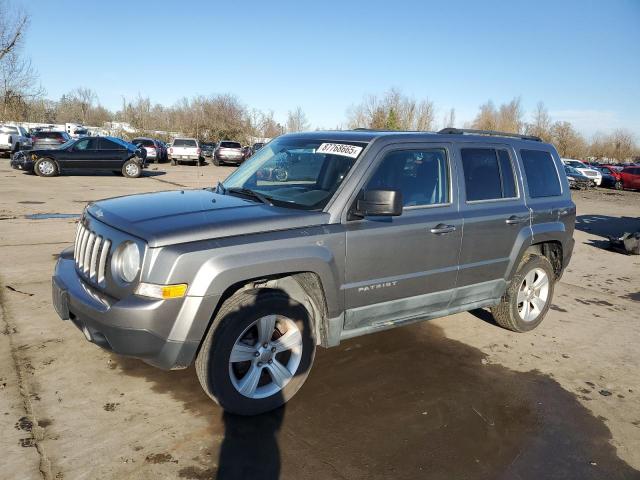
(368, 230)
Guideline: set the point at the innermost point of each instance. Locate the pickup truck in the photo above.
(185, 149)
(361, 231)
(13, 138)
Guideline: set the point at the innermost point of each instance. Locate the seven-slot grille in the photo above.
(90, 253)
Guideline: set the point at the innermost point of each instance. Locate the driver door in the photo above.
(401, 268)
(81, 153)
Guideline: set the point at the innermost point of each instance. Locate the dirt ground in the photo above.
(456, 397)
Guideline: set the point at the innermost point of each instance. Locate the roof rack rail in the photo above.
(493, 133)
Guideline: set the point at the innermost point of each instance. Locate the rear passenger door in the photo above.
(494, 215)
(547, 190)
(112, 155)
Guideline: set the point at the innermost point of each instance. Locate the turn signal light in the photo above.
(163, 292)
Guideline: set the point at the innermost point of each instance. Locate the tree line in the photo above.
(224, 116)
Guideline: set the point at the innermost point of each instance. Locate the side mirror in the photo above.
(379, 203)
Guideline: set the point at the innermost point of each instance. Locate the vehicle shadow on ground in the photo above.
(409, 403)
(249, 448)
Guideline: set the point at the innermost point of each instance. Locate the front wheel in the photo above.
(131, 169)
(618, 185)
(528, 296)
(45, 167)
(257, 353)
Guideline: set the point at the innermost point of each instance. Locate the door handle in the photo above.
(514, 220)
(442, 228)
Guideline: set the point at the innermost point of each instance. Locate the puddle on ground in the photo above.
(46, 216)
(403, 404)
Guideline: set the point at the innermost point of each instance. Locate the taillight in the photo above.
(170, 149)
(198, 151)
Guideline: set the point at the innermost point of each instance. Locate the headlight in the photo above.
(128, 261)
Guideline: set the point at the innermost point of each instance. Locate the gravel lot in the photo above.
(456, 397)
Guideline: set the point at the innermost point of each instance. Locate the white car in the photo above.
(13, 138)
(592, 173)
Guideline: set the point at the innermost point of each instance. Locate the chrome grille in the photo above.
(90, 253)
(591, 174)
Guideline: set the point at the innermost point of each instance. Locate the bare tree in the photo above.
(541, 124)
(297, 121)
(568, 142)
(18, 86)
(394, 111)
(12, 27)
(487, 117)
(450, 118)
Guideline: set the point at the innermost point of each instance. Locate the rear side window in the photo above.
(488, 174)
(541, 173)
(230, 145)
(184, 142)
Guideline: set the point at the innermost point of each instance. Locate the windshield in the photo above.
(572, 170)
(576, 164)
(299, 173)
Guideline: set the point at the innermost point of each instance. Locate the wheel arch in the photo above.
(549, 240)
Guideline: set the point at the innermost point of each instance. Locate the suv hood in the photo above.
(169, 218)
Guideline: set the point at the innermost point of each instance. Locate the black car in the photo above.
(576, 179)
(96, 153)
(256, 146)
(207, 149)
(45, 140)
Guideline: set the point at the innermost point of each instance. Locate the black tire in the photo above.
(46, 167)
(618, 185)
(117, 172)
(131, 169)
(506, 312)
(174, 161)
(216, 161)
(233, 318)
(16, 149)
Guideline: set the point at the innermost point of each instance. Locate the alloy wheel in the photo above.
(265, 356)
(533, 294)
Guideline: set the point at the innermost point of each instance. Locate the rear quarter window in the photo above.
(541, 173)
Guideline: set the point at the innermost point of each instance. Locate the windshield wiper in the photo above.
(250, 193)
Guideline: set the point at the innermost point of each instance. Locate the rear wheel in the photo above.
(45, 167)
(257, 353)
(528, 296)
(618, 185)
(131, 169)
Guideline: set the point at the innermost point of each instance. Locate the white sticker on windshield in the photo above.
(340, 149)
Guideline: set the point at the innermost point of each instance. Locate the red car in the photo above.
(614, 172)
(630, 178)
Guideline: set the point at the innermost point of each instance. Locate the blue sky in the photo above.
(582, 58)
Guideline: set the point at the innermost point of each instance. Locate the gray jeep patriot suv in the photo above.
(317, 238)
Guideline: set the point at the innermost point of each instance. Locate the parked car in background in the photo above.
(94, 153)
(185, 150)
(228, 152)
(43, 140)
(630, 178)
(207, 149)
(155, 148)
(247, 151)
(577, 179)
(257, 146)
(613, 172)
(592, 173)
(13, 138)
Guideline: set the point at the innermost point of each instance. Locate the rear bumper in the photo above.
(135, 326)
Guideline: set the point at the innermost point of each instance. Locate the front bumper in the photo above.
(21, 162)
(133, 326)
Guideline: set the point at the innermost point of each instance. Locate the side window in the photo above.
(422, 176)
(541, 173)
(488, 174)
(106, 144)
(82, 145)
